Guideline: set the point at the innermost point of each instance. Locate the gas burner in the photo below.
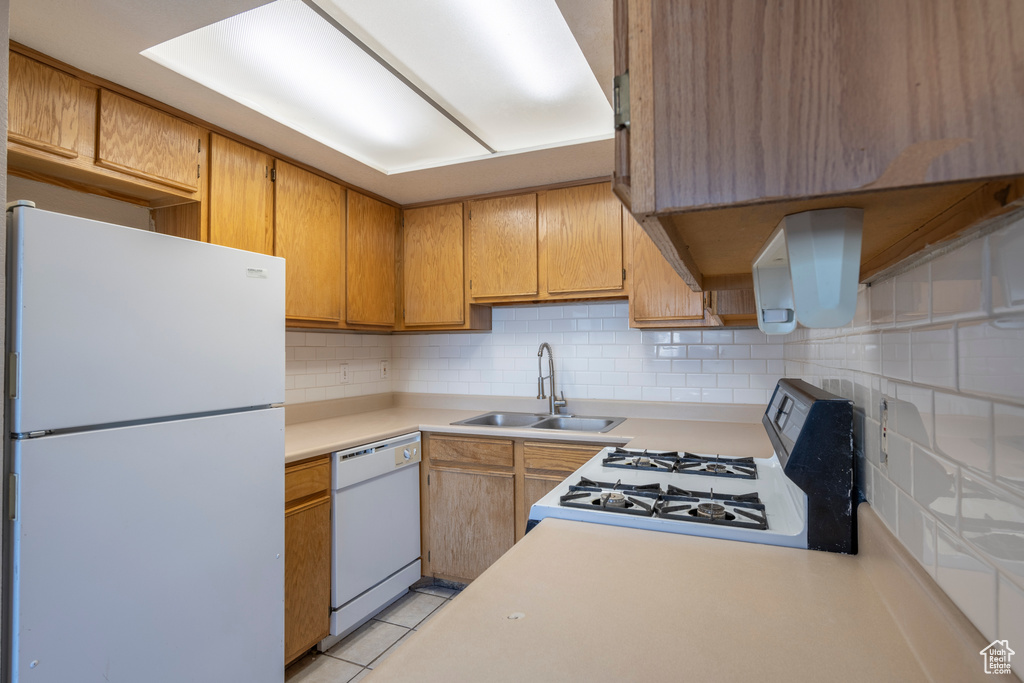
(617, 498)
(613, 499)
(661, 461)
(712, 511)
(717, 466)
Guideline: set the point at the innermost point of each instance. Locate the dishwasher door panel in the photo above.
(376, 531)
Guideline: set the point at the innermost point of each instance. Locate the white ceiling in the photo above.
(105, 37)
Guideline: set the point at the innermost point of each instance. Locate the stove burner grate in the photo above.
(735, 468)
(660, 461)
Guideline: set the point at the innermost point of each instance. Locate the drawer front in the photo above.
(557, 457)
(306, 479)
(497, 453)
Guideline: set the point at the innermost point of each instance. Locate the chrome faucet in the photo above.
(555, 404)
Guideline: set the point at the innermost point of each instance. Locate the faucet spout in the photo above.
(555, 404)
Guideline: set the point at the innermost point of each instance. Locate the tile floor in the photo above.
(354, 657)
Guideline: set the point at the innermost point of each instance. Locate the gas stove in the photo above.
(801, 497)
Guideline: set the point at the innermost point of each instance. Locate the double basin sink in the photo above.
(576, 423)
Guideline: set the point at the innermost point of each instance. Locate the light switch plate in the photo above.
(344, 375)
(385, 372)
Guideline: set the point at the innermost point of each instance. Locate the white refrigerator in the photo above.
(144, 456)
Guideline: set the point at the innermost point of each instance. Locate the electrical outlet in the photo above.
(884, 419)
(385, 372)
(344, 376)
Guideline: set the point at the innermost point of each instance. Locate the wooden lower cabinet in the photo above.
(472, 521)
(477, 494)
(307, 556)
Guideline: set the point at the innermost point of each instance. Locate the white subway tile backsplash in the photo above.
(912, 295)
(883, 303)
(957, 283)
(993, 521)
(963, 428)
(990, 358)
(896, 355)
(1006, 251)
(936, 483)
(1011, 612)
(1009, 447)
(899, 465)
(968, 580)
(934, 356)
(917, 532)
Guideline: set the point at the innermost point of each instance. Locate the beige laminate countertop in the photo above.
(586, 602)
(308, 439)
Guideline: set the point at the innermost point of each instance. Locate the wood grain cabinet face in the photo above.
(657, 296)
(432, 264)
(147, 143)
(472, 521)
(309, 217)
(370, 262)
(582, 229)
(503, 246)
(43, 107)
(307, 555)
(241, 196)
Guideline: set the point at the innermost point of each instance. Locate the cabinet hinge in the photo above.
(199, 145)
(623, 274)
(470, 214)
(273, 175)
(428, 480)
(620, 91)
(198, 171)
(471, 284)
(428, 556)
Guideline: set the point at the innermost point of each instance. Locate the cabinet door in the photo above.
(472, 521)
(657, 293)
(43, 107)
(582, 228)
(503, 246)
(241, 196)
(147, 143)
(370, 261)
(308, 226)
(307, 576)
(432, 259)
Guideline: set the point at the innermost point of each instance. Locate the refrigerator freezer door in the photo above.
(152, 553)
(113, 324)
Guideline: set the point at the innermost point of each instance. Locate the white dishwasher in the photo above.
(375, 550)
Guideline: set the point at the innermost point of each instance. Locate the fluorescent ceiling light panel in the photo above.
(288, 63)
(507, 72)
(510, 70)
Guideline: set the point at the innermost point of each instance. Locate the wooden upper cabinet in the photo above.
(742, 113)
(43, 107)
(241, 196)
(147, 143)
(657, 293)
(503, 246)
(582, 233)
(915, 95)
(370, 258)
(432, 266)
(309, 217)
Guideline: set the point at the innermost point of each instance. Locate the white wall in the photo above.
(596, 356)
(943, 344)
(62, 200)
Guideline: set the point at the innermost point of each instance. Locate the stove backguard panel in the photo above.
(812, 432)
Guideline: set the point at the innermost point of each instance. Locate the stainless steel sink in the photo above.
(579, 423)
(496, 419)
